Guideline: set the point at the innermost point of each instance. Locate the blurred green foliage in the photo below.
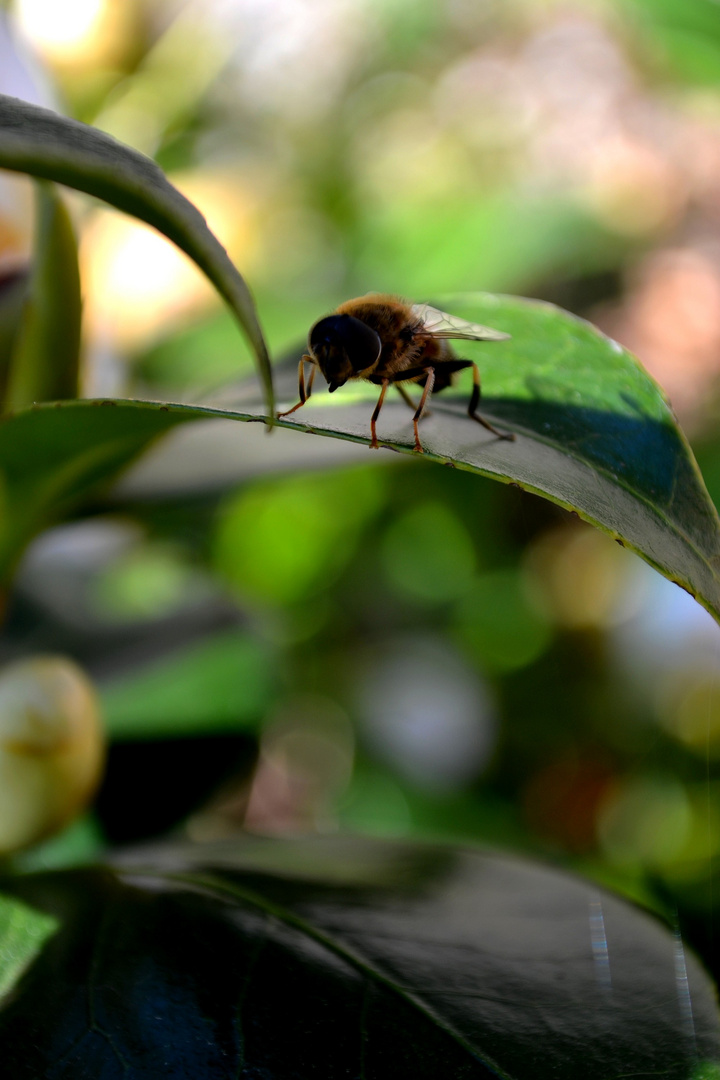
(682, 38)
(497, 621)
(282, 542)
(225, 683)
(562, 152)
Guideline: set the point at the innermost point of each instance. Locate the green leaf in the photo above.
(52, 456)
(594, 434)
(223, 684)
(46, 145)
(45, 363)
(23, 933)
(338, 957)
(681, 36)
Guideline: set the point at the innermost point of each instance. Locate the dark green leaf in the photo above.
(45, 362)
(336, 958)
(44, 144)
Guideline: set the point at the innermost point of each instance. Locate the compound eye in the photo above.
(358, 341)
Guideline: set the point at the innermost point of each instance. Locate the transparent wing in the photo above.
(439, 324)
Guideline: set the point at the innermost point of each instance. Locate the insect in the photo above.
(386, 340)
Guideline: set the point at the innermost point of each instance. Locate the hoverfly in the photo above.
(386, 340)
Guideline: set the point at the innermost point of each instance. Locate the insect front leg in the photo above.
(311, 380)
(374, 445)
(474, 401)
(427, 389)
(303, 393)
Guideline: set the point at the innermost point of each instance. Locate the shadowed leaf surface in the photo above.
(339, 957)
(593, 434)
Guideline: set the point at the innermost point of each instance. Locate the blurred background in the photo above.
(292, 638)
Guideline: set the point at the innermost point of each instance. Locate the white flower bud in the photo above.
(52, 748)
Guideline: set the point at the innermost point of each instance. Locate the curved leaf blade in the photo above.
(336, 957)
(44, 144)
(593, 433)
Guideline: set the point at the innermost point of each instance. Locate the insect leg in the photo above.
(427, 389)
(311, 380)
(474, 400)
(374, 445)
(303, 394)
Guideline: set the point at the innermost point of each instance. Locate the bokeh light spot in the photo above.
(425, 712)
(146, 583)
(59, 25)
(77, 32)
(499, 624)
(279, 542)
(428, 553)
(646, 820)
(580, 578)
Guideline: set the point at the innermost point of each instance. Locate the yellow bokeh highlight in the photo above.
(658, 822)
(645, 820)
(84, 32)
(688, 705)
(137, 283)
(581, 579)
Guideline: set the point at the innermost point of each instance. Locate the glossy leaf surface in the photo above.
(336, 958)
(593, 434)
(52, 147)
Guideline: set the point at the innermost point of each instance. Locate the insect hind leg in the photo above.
(429, 383)
(475, 401)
